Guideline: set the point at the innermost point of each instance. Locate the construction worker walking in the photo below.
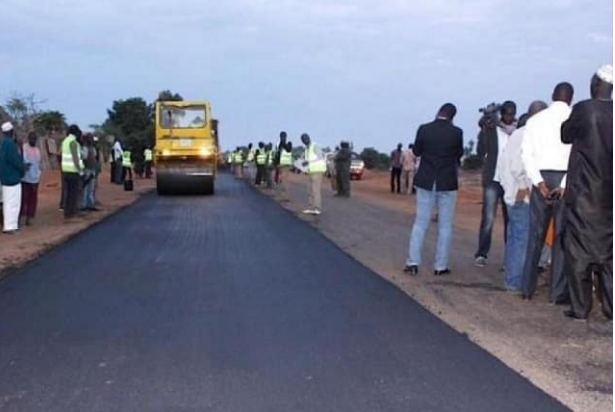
(316, 167)
(148, 155)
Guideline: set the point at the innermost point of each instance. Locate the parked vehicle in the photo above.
(357, 167)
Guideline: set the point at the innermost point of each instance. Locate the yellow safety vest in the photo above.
(315, 165)
(147, 153)
(68, 166)
(261, 158)
(286, 158)
(238, 157)
(251, 156)
(126, 162)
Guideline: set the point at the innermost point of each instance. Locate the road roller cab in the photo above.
(186, 150)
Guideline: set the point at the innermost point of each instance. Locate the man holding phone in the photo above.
(545, 159)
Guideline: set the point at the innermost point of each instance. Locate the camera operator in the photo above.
(492, 140)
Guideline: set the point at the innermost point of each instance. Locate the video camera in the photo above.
(491, 115)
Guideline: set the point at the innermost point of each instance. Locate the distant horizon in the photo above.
(339, 70)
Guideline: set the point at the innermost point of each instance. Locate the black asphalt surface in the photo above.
(230, 303)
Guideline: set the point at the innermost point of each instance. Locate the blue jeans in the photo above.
(516, 245)
(425, 200)
(88, 191)
(492, 194)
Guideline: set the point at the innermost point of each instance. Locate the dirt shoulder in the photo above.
(50, 229)
(570, 360)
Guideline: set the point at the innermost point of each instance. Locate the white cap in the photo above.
(7, 127)
(605, 73)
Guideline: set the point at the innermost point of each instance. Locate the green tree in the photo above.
(370, 157)
(169, 96)
(50, 121)
(23, 109)
(131, 121)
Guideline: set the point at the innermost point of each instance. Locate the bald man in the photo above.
(588, 239)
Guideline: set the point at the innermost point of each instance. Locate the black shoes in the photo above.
(572, 315)
(444, 272)
(412, 270)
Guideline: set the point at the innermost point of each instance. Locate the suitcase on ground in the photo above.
(128, 186)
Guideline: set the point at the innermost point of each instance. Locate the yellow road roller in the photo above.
(186, 150)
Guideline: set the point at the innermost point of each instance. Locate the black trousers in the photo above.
(148, 169)
(72, 189)
(118, 172)
(580, 269)
(126, 174)
(396, 179)
(63, 192)
(343, 181)
(541, 212)
(260, 174)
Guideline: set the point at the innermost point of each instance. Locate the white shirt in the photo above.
(502, 142)
(117, 151)
(542, 147)
(513, 176)
(408, 160)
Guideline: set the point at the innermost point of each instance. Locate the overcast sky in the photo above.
(366, 71)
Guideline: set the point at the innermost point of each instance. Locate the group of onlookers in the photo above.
(403, 165)
(20, 172)
(551, 166)
(80, 164)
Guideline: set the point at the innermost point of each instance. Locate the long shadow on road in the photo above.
(230, 303)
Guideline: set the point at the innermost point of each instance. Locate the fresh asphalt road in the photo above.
(229, 303)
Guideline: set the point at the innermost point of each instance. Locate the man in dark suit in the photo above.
(492, 141)
(439, 144)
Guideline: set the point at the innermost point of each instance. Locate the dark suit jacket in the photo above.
(488, 150)
(439, 144)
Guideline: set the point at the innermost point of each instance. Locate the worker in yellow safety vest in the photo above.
(284, 162)
(126, 165)
(148, 155)
(261, 163)
(238, 163)
(72, 169)
(315, 166)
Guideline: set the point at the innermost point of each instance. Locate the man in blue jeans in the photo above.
(517, 185)
(492, 141)
(439, 144)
